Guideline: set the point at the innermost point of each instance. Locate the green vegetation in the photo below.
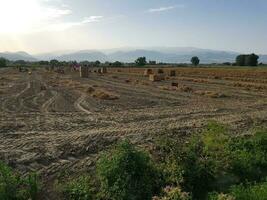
(212, 165)
(126, 173)
(97, 63)
(78, 189)
(2, 62)
(243, 192)
(14, 187)
(196, 163)
(247, 60)
(214, 160)
(117, 64)
(152, 62)
(141, 61)
(249, 157)
(54, 63)
(195, 60)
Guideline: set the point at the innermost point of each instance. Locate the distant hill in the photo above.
(263, 59)
(17, 56)
(130, 54)
(159, 54)
(174, 56)
(84, 55)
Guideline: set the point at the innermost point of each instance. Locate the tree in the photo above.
(20, 62)
(126, 173)
(117, 64)
(152, 62)
(251, 60)
(247, 60)
(54, 63)
(42, 62)
(141, 61)
(97, 63)
(2, 62)
(195, 60)
(240, 60)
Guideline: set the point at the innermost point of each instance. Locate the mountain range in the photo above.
(159, 54)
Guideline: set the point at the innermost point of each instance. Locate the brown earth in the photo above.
(51, 123)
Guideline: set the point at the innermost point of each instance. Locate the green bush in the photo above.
(243, 192)
(214, 160)
(14, 187)
(78, 189)
(126, 173)
(199, 168)
(249, 157)
(3, 62)
(33, 185)
(196, 164)
(250, 192)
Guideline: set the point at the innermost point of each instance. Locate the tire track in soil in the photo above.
(47, 104)
(15, 98)
(78, 105)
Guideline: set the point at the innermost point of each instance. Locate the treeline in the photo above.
(213, 165)
(241, 60)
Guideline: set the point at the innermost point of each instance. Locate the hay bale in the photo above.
(186, 89)
(103, 70)
(162, 87)
(154, 77)
(104, 95)
(43, 88)
(172, 73)
(90, 90)
(161, 76)
(160, 71)
(84, 72)
(174, 84)
(147, 72)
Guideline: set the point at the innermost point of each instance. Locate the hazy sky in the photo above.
(39, 26)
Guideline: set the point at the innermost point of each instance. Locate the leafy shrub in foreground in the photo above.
(250, 192)
(14, 187)
(78, 189)
(214, 160)
(249, 157)
(196, 163)
(126, 174)
(243, 192)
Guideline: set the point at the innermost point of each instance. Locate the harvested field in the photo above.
(60, 122)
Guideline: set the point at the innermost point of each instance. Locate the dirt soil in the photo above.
(51, 123)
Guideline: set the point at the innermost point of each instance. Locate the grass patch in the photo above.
(15, 187)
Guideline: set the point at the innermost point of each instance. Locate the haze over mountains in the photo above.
(159, 54)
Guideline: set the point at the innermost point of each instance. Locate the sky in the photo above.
(39, 26)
